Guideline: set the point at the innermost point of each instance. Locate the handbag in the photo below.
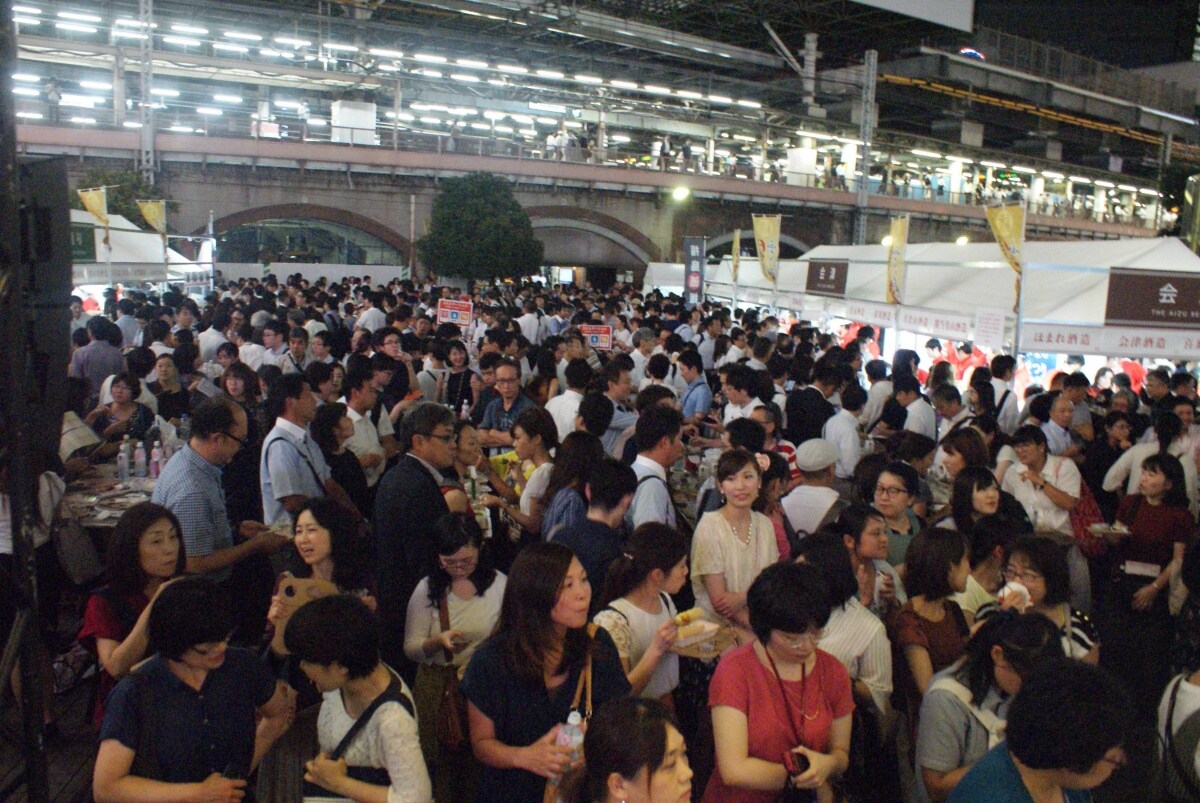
(74, 547)
(583, 693)
(1083, 516)
(452, 728)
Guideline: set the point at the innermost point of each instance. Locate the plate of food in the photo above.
(699, 638)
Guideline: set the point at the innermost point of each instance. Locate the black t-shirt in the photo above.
(596, 545)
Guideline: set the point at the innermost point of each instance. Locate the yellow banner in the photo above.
(155, 213)
(766, 240)
(895, 260)
(96, 202)
(1008, 227)
(737, 253)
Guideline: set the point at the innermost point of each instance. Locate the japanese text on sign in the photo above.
(598, 337)
(455, 312)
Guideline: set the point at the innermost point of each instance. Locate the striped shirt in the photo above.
(1079, 635)
(190, 487)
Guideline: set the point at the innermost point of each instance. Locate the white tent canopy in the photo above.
(137, 255)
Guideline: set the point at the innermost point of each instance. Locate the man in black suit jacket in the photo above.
(409, 500)
(809, 409)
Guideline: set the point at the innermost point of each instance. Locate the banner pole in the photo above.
(1020, 296)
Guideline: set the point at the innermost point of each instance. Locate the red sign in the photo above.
(598, 337)
(455, 312)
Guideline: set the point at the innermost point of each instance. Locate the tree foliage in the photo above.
(479, 231)
(125, 189)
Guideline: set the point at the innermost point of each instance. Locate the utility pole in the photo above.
(866, 132)
(146, 115)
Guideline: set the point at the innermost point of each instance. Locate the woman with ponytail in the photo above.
(638, 612)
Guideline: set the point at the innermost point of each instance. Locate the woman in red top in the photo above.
(1138, 633)
(929, 632)
(780, 695)
(144, 552)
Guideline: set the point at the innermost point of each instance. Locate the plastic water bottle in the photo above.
(465, 413)
(156, 459)
(571, 735)
(139, 460)
(185, 428)
(123, 462)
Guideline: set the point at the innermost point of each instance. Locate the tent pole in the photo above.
(1020, 309)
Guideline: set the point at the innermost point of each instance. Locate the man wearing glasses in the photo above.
(407, 503)
(495, 429)
(190, 487)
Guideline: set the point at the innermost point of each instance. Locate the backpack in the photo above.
(992, 723)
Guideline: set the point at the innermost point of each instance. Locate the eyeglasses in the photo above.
(797, 639)
(500, 381)
(884, 490)
(1024, 575)
(459, 564)
(442, 438)
(241, 441)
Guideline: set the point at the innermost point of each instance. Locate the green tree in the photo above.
(125, 189)
(479, 231)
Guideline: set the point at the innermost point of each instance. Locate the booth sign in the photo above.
(1160, 298)
(598, 337)
(455, 312)
(827, 277)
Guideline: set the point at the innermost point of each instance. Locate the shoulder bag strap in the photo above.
(991, 723)
(303, 456)
(1176, 762)
(444, 617)
(393, 693)
(585, 678)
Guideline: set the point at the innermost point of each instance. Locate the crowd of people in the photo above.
(393, 559)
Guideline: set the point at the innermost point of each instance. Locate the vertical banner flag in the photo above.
(155, 213)
(693, 270)
(1008, 227)
(766, 240)
(96, 201)
(895, 260)
(737, 253)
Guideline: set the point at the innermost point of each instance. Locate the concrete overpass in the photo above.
(587, 214)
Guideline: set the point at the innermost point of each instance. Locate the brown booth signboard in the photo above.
(1163, 299)
(827, 277)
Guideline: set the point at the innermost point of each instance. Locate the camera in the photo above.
(795, 763)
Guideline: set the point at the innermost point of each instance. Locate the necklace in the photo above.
(787, 697)
(749, 525)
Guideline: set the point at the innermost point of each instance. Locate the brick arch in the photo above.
(329, 214)
(571, 217)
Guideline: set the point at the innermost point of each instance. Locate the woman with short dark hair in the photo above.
(336, 641)
(123, 417)
(779, 697)
(633, 750)
(189, 713)
(145, 551)
(522, 683)
(895, 491)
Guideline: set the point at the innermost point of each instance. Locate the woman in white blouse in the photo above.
(638, 612)
(336, 640)
(464, 585)
(732, 544)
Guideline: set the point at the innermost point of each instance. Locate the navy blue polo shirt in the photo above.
(200, 732)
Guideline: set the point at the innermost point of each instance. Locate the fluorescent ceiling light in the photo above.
(190, 29)
(244, 37)
(26, 10)
(589, 79)
(26, 91)
(547, 121)
(466, 78)
(182, 41)
(719, 99)
(228, 47)
(433, 121)
(181, 129)
(689, 94)
(165, 93)
(573, 124)
(926, 154)
(388, 68)
(317, 122)
(552, 74)
(288, 104)
(79, 101)
(84, 120)
(429, 58)
(74, 26)
(227, 98)
(28, 21)
(474, 64)
(400, 116)
(78, 17)
(26, 78)
(494, 115)
(1108, 184)
(269, 53)
(623, 84)
(131, 124)
(428, 73)
(291, 41)
(1079, 179)
(29, 115)
(750, 104)
(620, 139)
(528, 132)
(960, 159)
(1127, 187)
(1028, 170)
(997, 165)
(209, 111)
(385, 53)
(127, 34)
(515, 69)
(553, 108)
(1146, 191)
(504, 129)
(815, 135)
(132, 23)
(1052, 175)
(498, 81)
(523, 119)
(99, 85)
(656, 90)
(481, 126)
(340, 47)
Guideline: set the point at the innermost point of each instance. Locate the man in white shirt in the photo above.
(211, 338)
(842, 432)
(371, 317)
(365, 444)
(947, 403)
(920, 417)
(295, 359)
(644, 341)
(710, 330)
(1007, 412)
(564, 407)
(741, 384)
(814, 501)
(658, 434)
(274, 339)
(878, 393)
(530, 323)
(249, 352)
